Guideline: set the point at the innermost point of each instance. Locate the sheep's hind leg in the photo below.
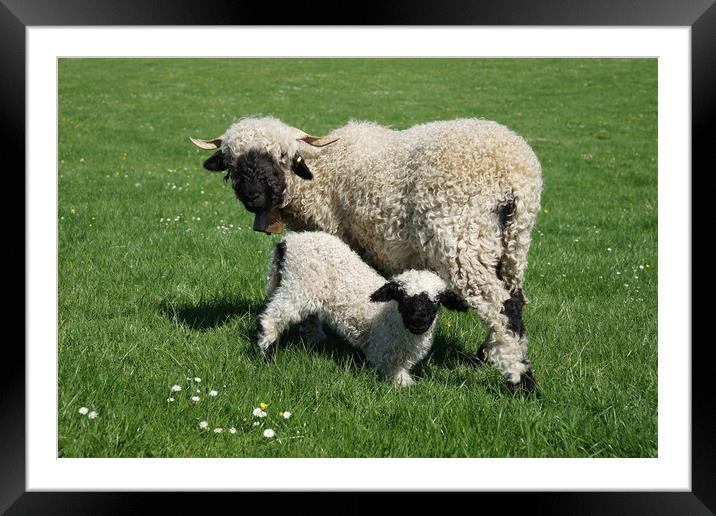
(505, 345)
(278, 315)
(473, 273)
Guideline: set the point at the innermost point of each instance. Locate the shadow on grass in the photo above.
(209, 314)
(446, 351)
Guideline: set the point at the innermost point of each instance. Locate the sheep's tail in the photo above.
(275, 267)
(516, 217)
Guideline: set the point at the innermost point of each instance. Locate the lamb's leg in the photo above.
(389, 361)
(402, 378)
(311, 330)
(280, 312)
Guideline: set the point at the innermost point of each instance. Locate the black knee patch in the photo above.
(512, 308)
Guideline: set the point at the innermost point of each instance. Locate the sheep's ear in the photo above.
(391, 291)
(299, 167)
(216, 162)
(212, 144)
(452, 301)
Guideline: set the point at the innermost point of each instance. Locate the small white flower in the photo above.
(204, 425)
(198, 391)
(195, 399)
(218, 430)
(258, 412)
(641, 266)
(213, 393)
(92, 415)
(268, 433)
(232, 430)
(609, 249)
(170, 400)
(83, 411)
(197, 379)
(287, 415)
(255, 423)
(176, 388)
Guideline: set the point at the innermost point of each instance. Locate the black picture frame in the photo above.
(700, 15)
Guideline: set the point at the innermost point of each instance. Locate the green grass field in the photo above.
(161, 276)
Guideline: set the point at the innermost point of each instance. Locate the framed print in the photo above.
(362, 202)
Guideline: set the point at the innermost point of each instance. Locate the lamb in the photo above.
(459, 198)
(316, 274)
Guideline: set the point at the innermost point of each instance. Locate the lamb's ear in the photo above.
(299, 167)
(391, 291)
(216, 162)
(452, 301)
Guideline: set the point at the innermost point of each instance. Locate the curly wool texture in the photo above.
(427, 197)
(316, 274)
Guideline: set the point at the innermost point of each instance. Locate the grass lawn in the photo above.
(161, 276)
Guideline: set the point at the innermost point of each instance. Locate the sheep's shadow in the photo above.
(447, 352)
(208, 314)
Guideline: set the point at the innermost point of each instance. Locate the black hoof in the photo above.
(526, 385)
(480, 357)
(269, 352)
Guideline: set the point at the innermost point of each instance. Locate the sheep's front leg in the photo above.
(279, 314)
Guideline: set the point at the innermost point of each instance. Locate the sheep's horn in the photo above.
(207, 144)
(317, 141)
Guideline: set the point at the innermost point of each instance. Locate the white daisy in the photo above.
(218, 430)
(195, 399)
(287, 415)
(204, 425)
(268, 433)
(197, 379)
(232, 430)
(83, 411)
(213, 393)
(92, 415)
(255, 423)
(169, 400)
(176, 388)
(258, 412)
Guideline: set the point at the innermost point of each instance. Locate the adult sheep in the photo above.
(457, 197)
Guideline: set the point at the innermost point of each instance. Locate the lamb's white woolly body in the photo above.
(317, 275)
(428, 197)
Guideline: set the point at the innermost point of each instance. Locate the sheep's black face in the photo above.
(418, 312)
(257, 180)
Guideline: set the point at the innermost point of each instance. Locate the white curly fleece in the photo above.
(456, 197)
(321, 276)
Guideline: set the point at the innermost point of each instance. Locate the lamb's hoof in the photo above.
(480, 357)
(269, 352)
(403, 380)
(526, 385)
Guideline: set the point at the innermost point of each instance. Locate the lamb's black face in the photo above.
(418, 312)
